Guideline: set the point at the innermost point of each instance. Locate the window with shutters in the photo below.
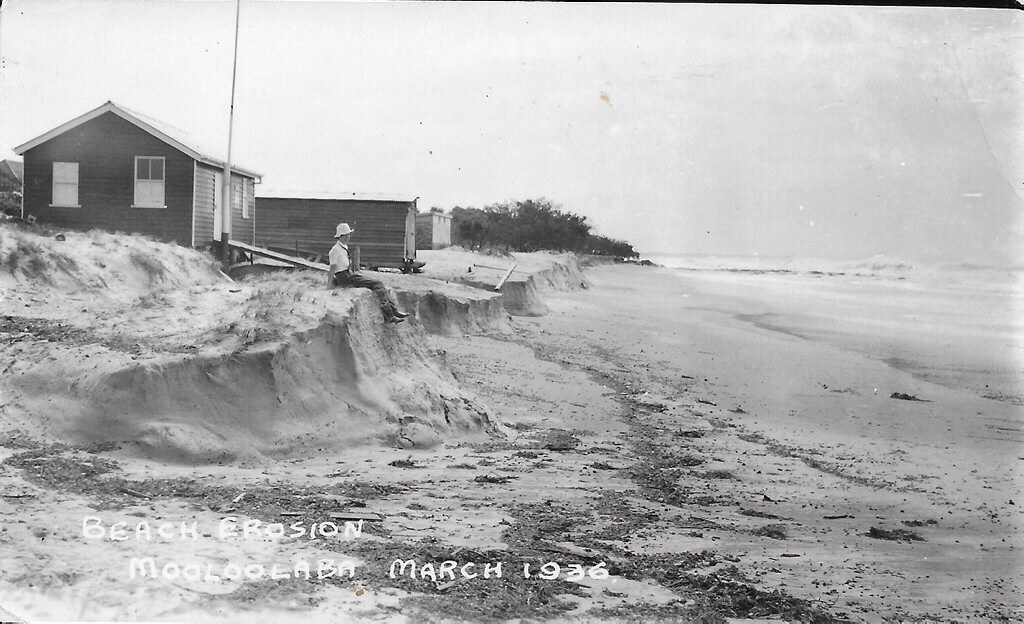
(238, 204)
(242, 196)
(65, 184)
(149, 182)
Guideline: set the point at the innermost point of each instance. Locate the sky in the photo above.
(793, 131)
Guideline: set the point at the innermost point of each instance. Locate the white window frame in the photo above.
(240, 196)
(150, 197)
(64, 193)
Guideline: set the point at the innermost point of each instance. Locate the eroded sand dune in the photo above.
(121, 339)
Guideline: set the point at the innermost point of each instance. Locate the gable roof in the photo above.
(13, 169)
(166, 133)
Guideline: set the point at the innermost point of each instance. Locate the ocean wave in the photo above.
(882, 266)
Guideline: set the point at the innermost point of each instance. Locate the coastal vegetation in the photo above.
(531, 225)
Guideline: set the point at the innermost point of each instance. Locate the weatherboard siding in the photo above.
(382, 227)
(105, 149)
(204, 205)
(242, 228)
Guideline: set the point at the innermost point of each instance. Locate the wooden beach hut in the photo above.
(303, 224)
(115, 169)
(433, 230)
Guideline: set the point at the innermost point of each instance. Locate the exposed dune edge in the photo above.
(187, 371)
(523, 297)
(128, 340)
(522, 294)
(350, 380)
(451, 314)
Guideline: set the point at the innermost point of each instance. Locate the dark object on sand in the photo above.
(896, 535)
(403, 463)
(351, 514)
(560, 440)
(774, 531)
(906, 397)
(761, 514)
(492, 479)
(691, 433)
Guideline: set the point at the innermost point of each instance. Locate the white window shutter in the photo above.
(65, 184)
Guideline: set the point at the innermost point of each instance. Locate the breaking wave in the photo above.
(880, 266)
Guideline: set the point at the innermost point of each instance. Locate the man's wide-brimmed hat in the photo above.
(343, 229)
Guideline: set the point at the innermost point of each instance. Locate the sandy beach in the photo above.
(702, 445)
(708, 313)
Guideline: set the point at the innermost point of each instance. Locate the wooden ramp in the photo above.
(280, 257)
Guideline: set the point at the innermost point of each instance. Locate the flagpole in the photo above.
(225, 235)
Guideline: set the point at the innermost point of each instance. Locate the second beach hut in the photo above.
(303, 224)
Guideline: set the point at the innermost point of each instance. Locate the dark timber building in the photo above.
(304, 223)
(116, 170)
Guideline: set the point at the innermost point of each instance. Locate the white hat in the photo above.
(343, 229)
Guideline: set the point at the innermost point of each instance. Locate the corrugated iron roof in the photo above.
(263, 193)
(175, 137)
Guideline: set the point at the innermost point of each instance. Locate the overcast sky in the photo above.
(837, 132)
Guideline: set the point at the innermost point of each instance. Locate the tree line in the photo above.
(531, 225)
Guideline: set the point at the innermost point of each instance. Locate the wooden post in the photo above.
(355, 258)
(226, 212)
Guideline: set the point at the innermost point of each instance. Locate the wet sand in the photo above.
(693, 430)
(812, 363)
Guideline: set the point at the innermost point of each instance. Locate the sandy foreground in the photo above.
(726, 446)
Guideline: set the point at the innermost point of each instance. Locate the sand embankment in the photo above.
(521, 293)
(126, 340)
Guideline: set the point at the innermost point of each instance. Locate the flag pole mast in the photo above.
(225, 236)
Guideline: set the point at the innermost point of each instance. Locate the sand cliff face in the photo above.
(122, 339)
(523, 297)
(522, 292)
(350, 380)
(187, 366)
(452, 311)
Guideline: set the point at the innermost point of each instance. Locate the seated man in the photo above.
(343, 274)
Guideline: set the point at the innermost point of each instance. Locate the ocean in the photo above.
(956, 324)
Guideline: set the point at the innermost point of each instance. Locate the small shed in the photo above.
(433, 230)
(117, 170)
(303, 224)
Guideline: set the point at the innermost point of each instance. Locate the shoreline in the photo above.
(690, 452)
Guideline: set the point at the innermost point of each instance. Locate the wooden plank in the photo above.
(266, 253)
(484, 266)
(501, 282)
